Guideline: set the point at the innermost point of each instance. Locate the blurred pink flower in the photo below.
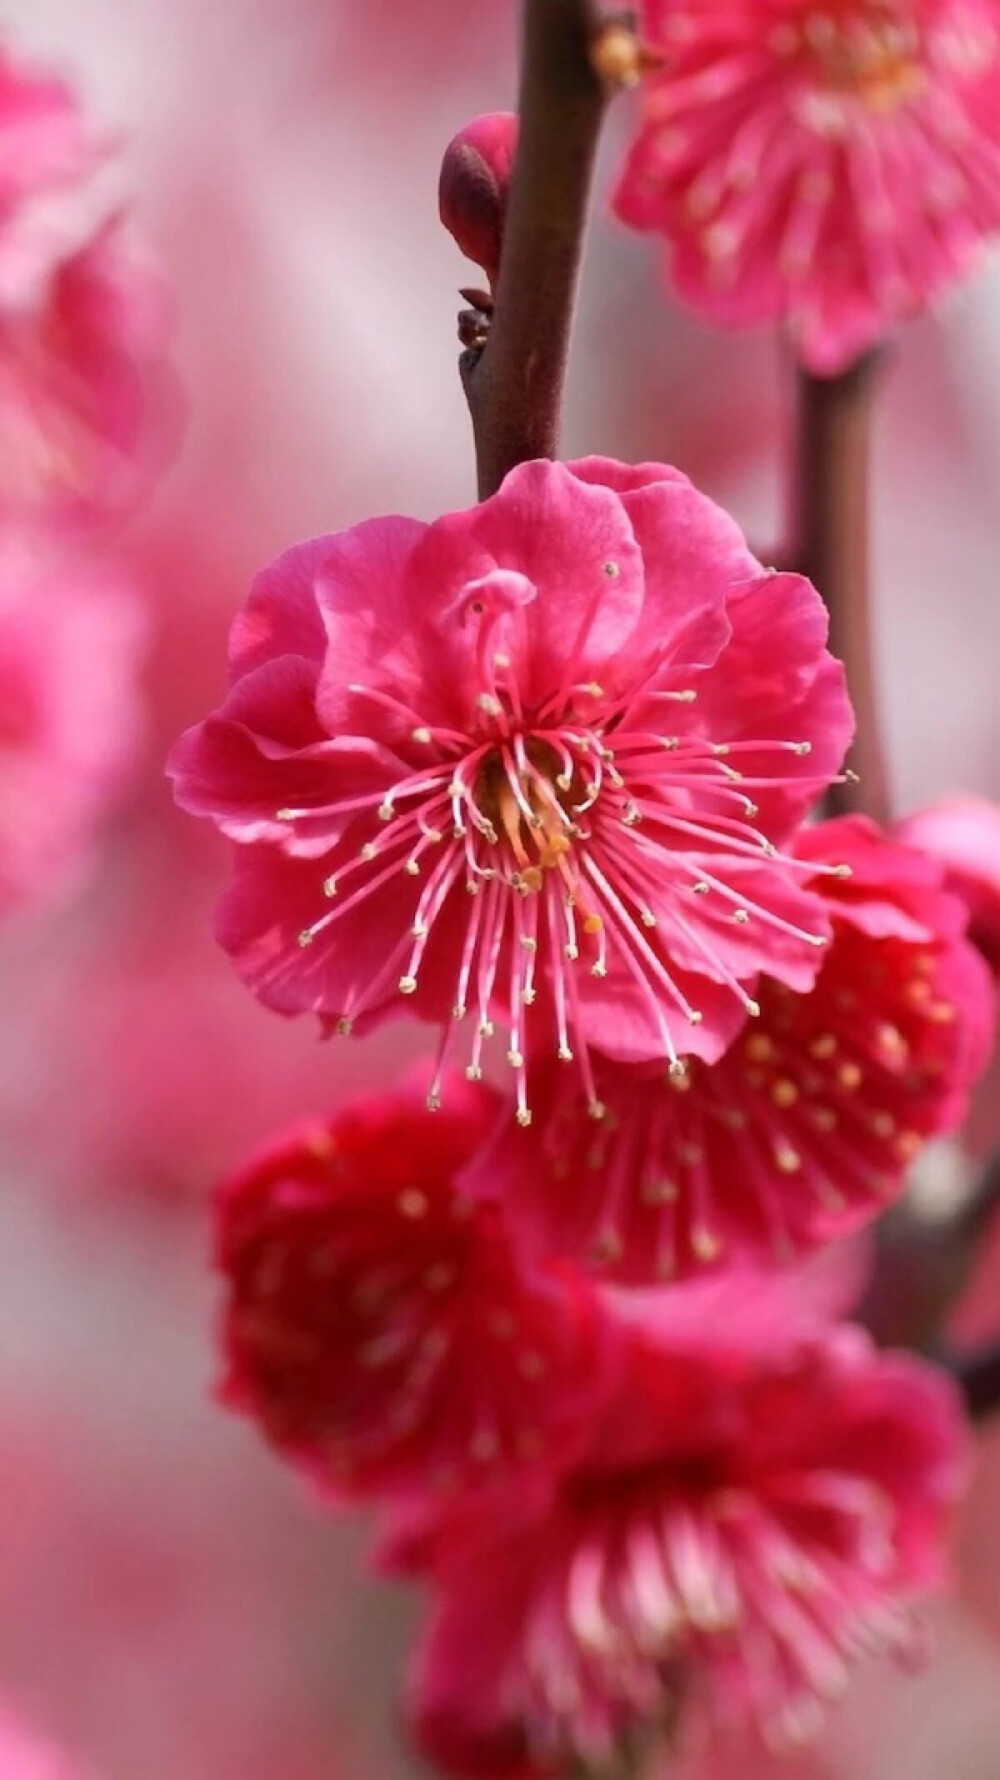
(461, 758)
(804, 1130)
(743, 1524)
(833, 167)
(377, 1325)
(71, 638)
(86, 408)
(46, 151)
(964, 834)
(23, 1756)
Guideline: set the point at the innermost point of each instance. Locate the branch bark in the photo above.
(832, 547)
(514, 384)
(977, 1375)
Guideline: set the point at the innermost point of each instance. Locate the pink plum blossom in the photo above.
(744, 1523)
(84, 399)
(85, 403)
(833, 166)
(378, 1326)
(71, 638)
(804, 1130)
(46, 152)
(964, 834)
(531, 765)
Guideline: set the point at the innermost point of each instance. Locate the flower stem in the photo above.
(832, 547)
(514, 384)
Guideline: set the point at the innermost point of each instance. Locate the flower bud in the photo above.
(475, 178)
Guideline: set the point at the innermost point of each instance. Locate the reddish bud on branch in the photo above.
(472, 192)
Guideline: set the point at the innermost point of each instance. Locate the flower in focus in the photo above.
(377, 1325)
(23, 1756)
(70, 716)
(83, 321)
(833, 166)
(546, 752)
(804, 1129)
(742, 1524)
(964, 834)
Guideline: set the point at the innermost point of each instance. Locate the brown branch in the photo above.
(925, 1260)
(831, 545)
(514, 384)
(977, 1374)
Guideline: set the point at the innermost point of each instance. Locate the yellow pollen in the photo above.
(850, 1076)
(823, 1047)
(759, 1048)
(784, 1092)
(870, 54)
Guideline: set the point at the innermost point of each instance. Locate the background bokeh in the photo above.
(170, 1607)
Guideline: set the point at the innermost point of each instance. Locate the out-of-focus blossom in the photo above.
(836, 166)
(46, 151)
(472, 194)
(377, 1324)
(804, 1130)
(964, 834)
(71, 638)
(23, 1756)
(742, 1526)
(85, 406)
(542, 751)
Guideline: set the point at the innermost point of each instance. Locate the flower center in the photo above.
(527, 808)
(871, 52)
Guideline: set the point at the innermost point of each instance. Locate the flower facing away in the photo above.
(742, 1524)
(84, 398)
(377, 1326)
(70, 715)
(835, 166)
(531, 765)
(964, 833)
(804, 1129)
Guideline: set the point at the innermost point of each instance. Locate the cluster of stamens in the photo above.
(559, 826)
(872, 51)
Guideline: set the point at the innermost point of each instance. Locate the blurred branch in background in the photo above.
(831, 545)
(928, 1246)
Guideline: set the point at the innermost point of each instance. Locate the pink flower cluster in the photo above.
(82, 326)
(540, 771)
(835, 167)
(628, 1512)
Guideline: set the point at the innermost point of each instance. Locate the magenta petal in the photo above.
(574, 543)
